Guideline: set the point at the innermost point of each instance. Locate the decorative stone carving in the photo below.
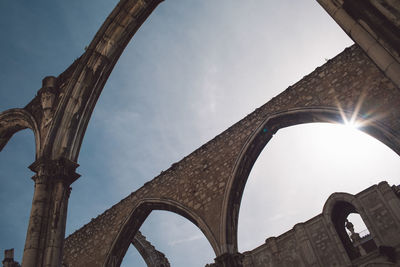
(62, 169)
(47, 98)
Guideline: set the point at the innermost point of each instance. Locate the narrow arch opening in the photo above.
(133, 258)
(16, 190)
(182, 243)
(363, 239)
(298, 170)
(358, 224)
(355, 237)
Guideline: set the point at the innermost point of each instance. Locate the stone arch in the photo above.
(90, 73)
(223, 164)
(14, 120)
(343, 197)
(136, 218)
(259, 139)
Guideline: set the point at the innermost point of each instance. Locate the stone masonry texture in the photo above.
(196, 186)
(206, 186)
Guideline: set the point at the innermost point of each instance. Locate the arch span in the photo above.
(210, 181)
(137, 217)
(90, 73)
(14, 120)
(347, 78)
(263, 134)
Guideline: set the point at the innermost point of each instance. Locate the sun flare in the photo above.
(346, 138)
(352, 124)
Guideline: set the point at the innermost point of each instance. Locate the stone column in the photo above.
(45, 237)
(229, 260)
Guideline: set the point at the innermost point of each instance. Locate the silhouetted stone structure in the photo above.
(206, 186)
(9, 259)
(323, 241)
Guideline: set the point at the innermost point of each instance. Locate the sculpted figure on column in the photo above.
(47, 98)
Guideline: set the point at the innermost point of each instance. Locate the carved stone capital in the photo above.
(59, 169)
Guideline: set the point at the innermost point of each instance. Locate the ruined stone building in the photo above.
(206, 186)
(323, 241)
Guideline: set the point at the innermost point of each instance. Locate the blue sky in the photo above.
(193, 69)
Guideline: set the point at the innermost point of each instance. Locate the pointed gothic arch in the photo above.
(83, 85)
(89, 74)
(137, 217)
(256, 143)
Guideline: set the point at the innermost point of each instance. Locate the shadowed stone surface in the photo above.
(317, 242)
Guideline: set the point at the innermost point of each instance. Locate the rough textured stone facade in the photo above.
(317, 242)
(206, 186)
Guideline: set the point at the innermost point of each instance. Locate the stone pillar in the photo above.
(45, 237)
(229, 260)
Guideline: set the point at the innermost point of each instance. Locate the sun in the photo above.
(346, 138)
(354, 123)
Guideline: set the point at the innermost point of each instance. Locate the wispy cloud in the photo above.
(193, 69)
(185, 240)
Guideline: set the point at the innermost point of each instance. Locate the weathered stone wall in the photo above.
(206, 186)
(316, 242)
(201, 185)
